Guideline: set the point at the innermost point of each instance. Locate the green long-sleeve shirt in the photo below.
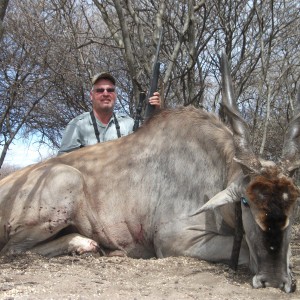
(80, 131)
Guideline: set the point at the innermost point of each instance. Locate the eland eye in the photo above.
(245, 201)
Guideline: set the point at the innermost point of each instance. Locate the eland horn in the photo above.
(290, 160)
(244, 151)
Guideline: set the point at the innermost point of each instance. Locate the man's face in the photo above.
(103, 96)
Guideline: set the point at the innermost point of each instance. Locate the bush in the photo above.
(6, 170)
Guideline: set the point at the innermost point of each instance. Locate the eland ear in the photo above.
(224, 197)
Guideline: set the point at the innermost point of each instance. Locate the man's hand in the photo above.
(155, 100)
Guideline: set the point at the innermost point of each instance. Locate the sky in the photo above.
(22, 154)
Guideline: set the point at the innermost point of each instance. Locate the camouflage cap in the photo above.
(103, 75)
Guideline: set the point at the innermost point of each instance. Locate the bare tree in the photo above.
(3, 7)
(39, 86)
(135, 29)
(20, 92)
(259, 38)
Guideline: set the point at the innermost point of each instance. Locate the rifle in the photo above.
(154, 79)
(138, 111)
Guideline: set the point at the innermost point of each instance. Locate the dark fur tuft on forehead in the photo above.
(273, 195)
(270, 190)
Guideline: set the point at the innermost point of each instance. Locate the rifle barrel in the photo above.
(155, 76)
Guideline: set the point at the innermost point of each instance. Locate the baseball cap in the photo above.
(103, 75)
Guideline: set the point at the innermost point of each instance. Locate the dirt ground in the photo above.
(93, 277)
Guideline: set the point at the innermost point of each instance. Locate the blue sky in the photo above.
(22, 153)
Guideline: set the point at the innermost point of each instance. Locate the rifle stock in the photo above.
(139, 111)
(153, 88)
